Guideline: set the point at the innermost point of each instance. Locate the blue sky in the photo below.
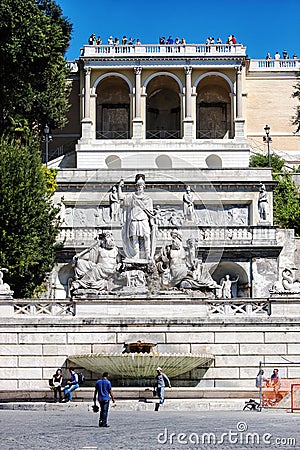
(262, 26)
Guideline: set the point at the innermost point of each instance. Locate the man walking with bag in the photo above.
(105, 393)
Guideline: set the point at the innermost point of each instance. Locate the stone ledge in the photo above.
(86, 394)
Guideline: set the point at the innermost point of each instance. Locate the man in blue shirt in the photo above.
(161, 381)
(105, 393)
(71, 386)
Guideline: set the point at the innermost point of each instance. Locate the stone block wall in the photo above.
(31, 348)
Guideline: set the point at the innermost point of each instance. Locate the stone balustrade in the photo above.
(104, 51)
(159, 305)
(247, 235)
(237, 307)
(38, 308)
(274, 65)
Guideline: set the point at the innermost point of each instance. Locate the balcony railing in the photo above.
(163, 50)
(112, 135)
(163, 134)
(274, 65)
(212, 134)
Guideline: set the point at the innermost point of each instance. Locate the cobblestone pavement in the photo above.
(149, 430)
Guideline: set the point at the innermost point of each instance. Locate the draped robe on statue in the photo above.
(138, 213)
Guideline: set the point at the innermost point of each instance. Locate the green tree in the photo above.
(286, 202)
(29, 223)
(34, 37)
(260, 160)
(296, 94)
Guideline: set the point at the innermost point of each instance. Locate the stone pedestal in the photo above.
(137, 128)
(239, 132)
(188, 129)
(86, 127)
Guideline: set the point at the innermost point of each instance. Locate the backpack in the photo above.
(81, 378)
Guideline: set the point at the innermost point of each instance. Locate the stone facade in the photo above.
(32, 347)
(188, 117)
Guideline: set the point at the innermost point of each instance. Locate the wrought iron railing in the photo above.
(212, 134)
(163, 134)
(112, 134)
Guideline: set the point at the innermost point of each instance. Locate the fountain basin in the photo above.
(140, 365)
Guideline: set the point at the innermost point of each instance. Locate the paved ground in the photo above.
(77, 429)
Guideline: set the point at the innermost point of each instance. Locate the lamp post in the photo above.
(267, 138)
(46, 139)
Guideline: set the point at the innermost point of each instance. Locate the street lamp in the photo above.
(47, 138)
(267, 138)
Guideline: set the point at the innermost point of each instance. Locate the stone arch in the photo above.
(113, 74)
(169, 74)
(214, 162)
(163, 106)
(113, 91)
(163, 162)
(214, 106)
(239, 289)
(217, 74)
(113, 162)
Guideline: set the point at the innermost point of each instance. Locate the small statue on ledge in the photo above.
(188, 204)
(114, 203)
(263, 204)
(5, 290)
(226, 286)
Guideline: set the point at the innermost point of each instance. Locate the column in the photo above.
(238, 91)
(138, 72)
(188, 89)
(239, 121)
(137, 122)
(188, 121)
(87, 91)
(86, 123)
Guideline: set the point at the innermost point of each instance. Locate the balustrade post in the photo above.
(137, 122)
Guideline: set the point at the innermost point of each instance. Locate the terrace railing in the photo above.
(274, 65)
(163, 50)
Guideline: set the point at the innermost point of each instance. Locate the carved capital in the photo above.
(87, 70)
(137, 70)
(188, 70)
(238, 69)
